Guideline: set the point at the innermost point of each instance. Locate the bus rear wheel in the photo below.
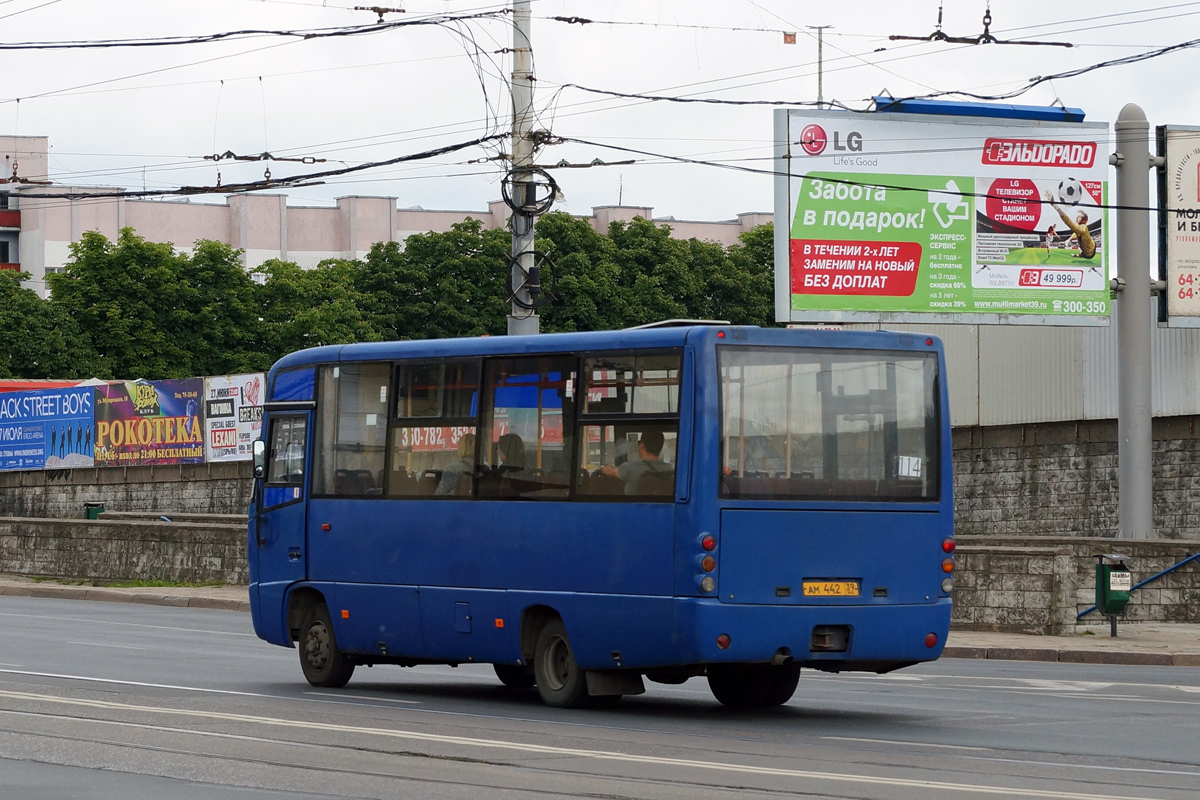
(560, 681)
(323, 663)
(753, 685)
(514, 676)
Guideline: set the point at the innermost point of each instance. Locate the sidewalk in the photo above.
(1148, 643)
(228, 598)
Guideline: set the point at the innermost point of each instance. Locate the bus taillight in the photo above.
(947, 565)
(709, 542)
(948, 545)
(708, 563)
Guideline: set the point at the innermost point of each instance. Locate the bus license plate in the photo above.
(831, 588)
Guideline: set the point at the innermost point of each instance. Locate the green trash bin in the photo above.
(92, 510)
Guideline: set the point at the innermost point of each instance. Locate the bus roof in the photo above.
(630, 338)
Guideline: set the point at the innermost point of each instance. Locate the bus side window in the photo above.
(433, 439)
(352, 430)
(529, 405)
(285, 459)
(629, 426)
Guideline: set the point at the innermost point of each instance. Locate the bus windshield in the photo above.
(804, 424)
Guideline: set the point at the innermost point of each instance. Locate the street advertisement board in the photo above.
(149, 422)
(907, 217)
(232, 415)
(1179, 227)
(46, 429)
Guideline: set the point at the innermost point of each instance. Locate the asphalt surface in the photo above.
(142, 700)
(1145, 644)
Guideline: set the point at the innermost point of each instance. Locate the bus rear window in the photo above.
(806, 424)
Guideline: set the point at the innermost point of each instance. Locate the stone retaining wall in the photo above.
(1060, 479)
(218, 488)
(1039, 584)
(124, 550)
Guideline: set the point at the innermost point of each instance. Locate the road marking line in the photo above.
(134, 683)
(364, 697)
(569, 752)
(130, 624)
(911, 744)
(97, 644)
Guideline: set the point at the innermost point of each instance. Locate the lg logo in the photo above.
(813, 140)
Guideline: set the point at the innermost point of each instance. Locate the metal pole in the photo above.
(1134, 447)
(522, 320)
(820, 29)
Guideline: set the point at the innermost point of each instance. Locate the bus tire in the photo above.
(323, 663)
(784, 679)
(560, 681)
(740, 685)
(514, 676)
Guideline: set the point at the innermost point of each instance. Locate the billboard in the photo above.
(149, 422)
(46, 429)
(914, 217)
(232, 415)
(1179, 228)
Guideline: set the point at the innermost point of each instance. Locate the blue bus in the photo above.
(587, 511)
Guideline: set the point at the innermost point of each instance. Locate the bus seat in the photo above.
(656, 484)
(854, 488)
(428, 483)
(606, 485)
(810, 487)
(465, 485)
(901, 487)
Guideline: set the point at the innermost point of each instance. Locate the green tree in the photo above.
(128, 298)
(303, 308)
(219, 314)
(36, 339)
(440, 284)
(742, 288)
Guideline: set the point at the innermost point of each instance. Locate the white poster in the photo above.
(233, 415)
(1181, 226)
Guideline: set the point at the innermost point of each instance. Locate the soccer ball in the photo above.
(1070, 191)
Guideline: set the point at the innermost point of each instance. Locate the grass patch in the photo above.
(156, 584)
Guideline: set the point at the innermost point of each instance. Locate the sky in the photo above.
(146, 117)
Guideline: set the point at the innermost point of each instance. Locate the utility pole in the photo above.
(522, 319)
(1135, 509)
(820, 29)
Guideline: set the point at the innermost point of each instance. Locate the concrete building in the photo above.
(36, 233)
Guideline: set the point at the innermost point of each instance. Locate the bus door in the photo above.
(281, 507)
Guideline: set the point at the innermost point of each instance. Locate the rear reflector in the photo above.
(723, 641)
(931, 640)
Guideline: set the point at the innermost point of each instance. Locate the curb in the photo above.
(124, 596)
(1075, 656)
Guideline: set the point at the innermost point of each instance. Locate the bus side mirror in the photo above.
(260, 459)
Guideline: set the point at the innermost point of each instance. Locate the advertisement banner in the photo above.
(902, 216)
(150, 422)
(232, 415)
(1179, 240)
(47, 429)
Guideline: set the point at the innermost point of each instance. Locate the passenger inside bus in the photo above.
(648, 474)
(456, 477)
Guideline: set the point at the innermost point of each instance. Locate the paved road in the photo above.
(101, 700)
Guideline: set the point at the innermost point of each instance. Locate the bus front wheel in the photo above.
(323, 663)
(753, 685)
(560, 681)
